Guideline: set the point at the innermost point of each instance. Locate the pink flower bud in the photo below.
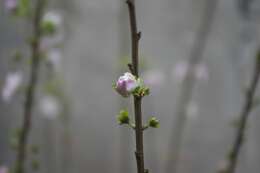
(126, 84)
(3, 169)
(11, 5)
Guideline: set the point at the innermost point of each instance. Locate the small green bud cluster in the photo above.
(124, 119)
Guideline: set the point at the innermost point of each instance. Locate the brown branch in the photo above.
(135, 37)
(248, 105)
(27, 115)
(195, 57)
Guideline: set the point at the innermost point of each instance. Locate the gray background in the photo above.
(97, 39)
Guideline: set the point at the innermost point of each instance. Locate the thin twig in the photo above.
(135, 36)
(188, 83)
(27, 115)
(243, 118)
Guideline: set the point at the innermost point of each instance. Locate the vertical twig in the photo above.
(27, 115)
(195, 58)
(244, 7)
(135, 36)
(243, 118)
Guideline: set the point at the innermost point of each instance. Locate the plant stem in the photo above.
(247, 107)
(195, 57)
(28, 105)
(135, 37)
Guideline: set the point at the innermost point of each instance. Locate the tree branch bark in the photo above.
(243, 118)
(195, 57)
(30, 92)
(135, 37)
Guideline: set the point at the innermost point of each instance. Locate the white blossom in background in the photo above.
(4, 169)
(54, 57)
(10, 5)
(50, 107)
(12, 82)
(180, 71)
(192, 110)
(202, 72)
(57, 38)
(154, 77)
(53, 17)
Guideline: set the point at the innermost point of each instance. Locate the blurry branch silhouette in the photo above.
(30, 92)
(244, 7)
(135, 36)
(196, 55)
(243, 118)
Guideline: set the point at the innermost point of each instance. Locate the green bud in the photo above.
(123, 117)
(154, 123)
(141, 90)
(114, 85)
(146, 91)
(48, 28)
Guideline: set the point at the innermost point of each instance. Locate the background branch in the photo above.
(243, 118)
(30, 92)
(196, 55)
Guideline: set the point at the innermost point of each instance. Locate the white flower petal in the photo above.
(50, 107)
(201, 72)
(180, 71)
(12, 83)
(53, 17)
(54, 56)
(154, 77)
(192, 110)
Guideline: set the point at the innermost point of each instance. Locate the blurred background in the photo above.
(75, 128)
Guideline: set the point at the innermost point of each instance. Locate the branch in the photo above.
(135, 37)
(195, 57)
(27, 115)
(247, 107)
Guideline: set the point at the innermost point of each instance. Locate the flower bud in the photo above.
(51, 22)
(126, 84)
(123, 117)
(11, 5)
(50, 107)
(4, 169)
(154, 122)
